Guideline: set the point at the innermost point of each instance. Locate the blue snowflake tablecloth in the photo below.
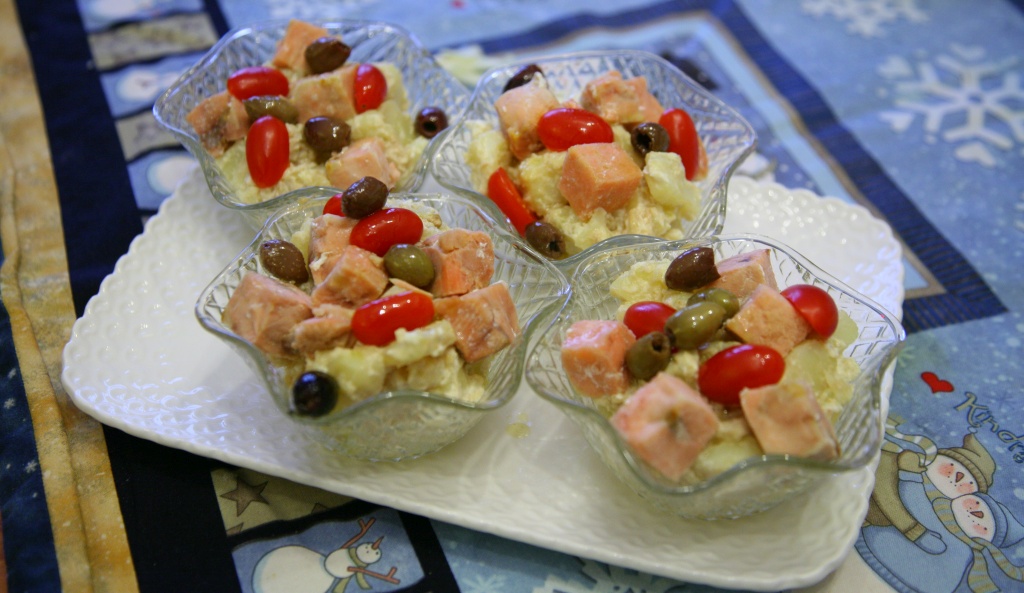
(911, 108)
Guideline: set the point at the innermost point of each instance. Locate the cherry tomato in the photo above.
(684, 141)
(647, 316)
(564, 127)
(504, 193)
(724, 375)
(266, 150)
(386, 227)
(333, 205)
(257, 81)
(370, 88)
(375, 322)
(816, 306)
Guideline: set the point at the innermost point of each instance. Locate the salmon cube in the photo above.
(265, 311)
(484, 320)
(667, 423)
(768, 319)
(357, 278)
(362, 158)
(599, 175)
(219, 120)
(519, 111)
(463, 261)
(329, 327)
(787, 419)
(291, 50)
(594, 356)
(741, 274)
(328, 237)
(620, 101)
(328, 94)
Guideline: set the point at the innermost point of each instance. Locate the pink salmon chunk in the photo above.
(484, 320)
(362, 158)
(667, 423)
(357, 278)
(291, 50)
(741, 274)
(768, 319)
(620, 101)
(219, 120)
(463, 261)
(328, 237)
(265, 312)
(328, 328)
(786, 419)
(594, 356)
(599, 175)
(519, 111)
(329, 94)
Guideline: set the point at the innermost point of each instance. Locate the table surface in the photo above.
(913, 109)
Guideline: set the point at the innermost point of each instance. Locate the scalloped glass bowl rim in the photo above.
(318, 195)
(645, 476)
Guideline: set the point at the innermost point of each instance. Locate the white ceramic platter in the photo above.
(139, 361)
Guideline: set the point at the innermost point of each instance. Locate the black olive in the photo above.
(326, 54)
(275, 105)
(546, 239)
(649, 137)
(364, 197)
(284, 260)
(430, 121)
(314, 394)
(692, 269)
(522, 76)
(649, 355)
(326, 136)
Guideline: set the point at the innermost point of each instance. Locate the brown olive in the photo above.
(695, 324)
(275, 105)
(326, 135)
(364, 197)
(649, 137)
(523, 76)
(283, 260)
(430, 121)
(723, 297)
(692, 269)
(326, 54)
(546, 239)
(410, 263)
(649, 355)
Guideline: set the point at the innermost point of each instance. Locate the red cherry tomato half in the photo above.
(816, 306)
(564, 127)
(370, 88)
(386, 227)
(684, 141)
(257, 81)
(647, 316)
(266, 150)
(375, 322)
(333, 205)
(723, 376)
(504, 193)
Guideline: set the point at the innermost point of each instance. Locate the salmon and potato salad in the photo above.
(708, 363)
(374, 295)
(310, 116)
(572, 172)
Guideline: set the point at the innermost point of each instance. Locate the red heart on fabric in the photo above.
(935, 383)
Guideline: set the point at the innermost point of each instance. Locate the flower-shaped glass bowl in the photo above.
(398, 424)
(757, 483)
(728, 138)
(426, 83)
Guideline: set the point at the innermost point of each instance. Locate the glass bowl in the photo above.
(757, 483)
(398, 424)
(727, 137)
(425, 81)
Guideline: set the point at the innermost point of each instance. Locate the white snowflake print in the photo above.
(611, 579)
(866, 17)
(31, 466)
(962, 98)
(489, 584)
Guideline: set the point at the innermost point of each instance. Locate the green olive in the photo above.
(364, 197)
(692, 269)
(695, 324)
(326, 136)
(275, 105)
(546, 239)
(410, 263)
(283, 260)
(649, 355)
(723, 297)
(326, 54)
